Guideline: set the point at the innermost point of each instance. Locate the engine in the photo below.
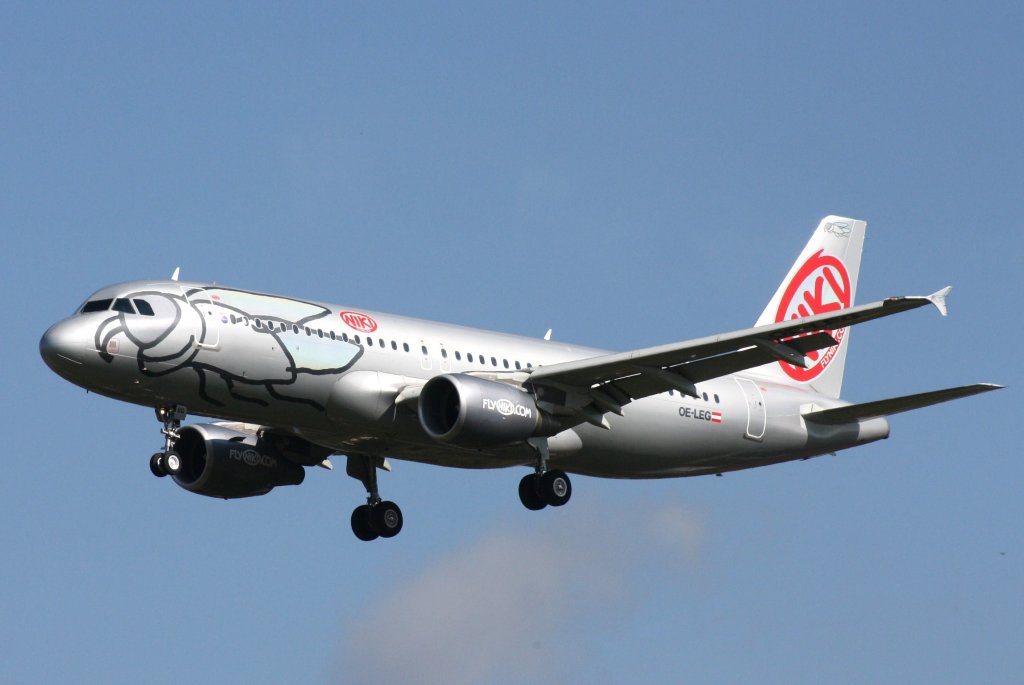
(473, 412)
(219, 462)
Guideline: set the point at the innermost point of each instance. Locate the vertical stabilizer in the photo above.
(823, 279)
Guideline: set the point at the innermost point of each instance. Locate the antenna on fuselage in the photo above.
(177, 272)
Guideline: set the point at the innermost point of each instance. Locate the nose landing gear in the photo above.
(168, 462)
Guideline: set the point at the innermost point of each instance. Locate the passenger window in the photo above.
(469, 357)
(332, 336)
(705, 397)
(320, 332)
(369, 341)
(358, 341)
(405, 346)
(423, 349)
(122, 304)
(505, 362)
(444, 353)
(394, 346)
(145, 309)
(494, 362)
(458, 356)
(716, 398)
(518, 366)
(96, 306)
(344, 336)
(258, 323)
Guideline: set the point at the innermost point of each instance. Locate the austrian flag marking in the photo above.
(716, 417)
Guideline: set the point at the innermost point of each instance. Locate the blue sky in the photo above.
(626, 175)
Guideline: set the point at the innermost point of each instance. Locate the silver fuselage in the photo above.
(331, 375)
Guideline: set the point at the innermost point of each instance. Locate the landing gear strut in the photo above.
(168, 462)
(376, 518)
(544, 487)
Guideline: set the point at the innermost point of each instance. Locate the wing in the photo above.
(594, 386)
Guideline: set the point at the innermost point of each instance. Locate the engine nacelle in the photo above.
(473, 412)
(219, 462)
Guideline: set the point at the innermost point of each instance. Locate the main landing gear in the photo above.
(168, 462)
(543, 487)
(376, 518)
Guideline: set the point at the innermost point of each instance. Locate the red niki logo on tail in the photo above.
(820, 286)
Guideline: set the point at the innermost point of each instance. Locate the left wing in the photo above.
(591, 387)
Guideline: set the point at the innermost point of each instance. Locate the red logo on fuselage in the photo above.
(359, 322)
(820, 286)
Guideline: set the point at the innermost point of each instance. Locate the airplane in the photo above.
(294, 382)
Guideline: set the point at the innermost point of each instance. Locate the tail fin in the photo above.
(823, 279)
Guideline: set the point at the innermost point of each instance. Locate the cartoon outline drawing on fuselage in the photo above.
(184, 340)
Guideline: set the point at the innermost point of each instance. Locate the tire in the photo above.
(555, 488)
(156, 465)
(361, 523)
(386, 519)
(172, 463)
(529, 493)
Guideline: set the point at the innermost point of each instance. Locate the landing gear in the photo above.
(361, 525)
(376, 518)
(172, 463)
(156, 465)
(529, 492)
(544, 488)
(168, 462)
(537, 491)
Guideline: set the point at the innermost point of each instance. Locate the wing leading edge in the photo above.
(613, 380)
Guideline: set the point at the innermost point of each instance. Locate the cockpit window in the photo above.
(96, 306)
(123, 304)
(146, 309)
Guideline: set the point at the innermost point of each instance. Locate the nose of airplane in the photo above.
(63, 346)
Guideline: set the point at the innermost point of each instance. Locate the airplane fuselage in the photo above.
(335, 375)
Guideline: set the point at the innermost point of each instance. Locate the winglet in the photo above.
(939, 300)
(547, 336)
(177, 272)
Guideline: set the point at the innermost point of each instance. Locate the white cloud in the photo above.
(489, 609)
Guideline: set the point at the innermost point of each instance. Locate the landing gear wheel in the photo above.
(555, 488)
(361, 525)
(156, 465)
(386, 519)
(529, 492)
(172, 463)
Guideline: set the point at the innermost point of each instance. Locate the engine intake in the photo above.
(219, 462)
(473, 412)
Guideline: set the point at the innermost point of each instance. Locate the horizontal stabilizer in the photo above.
(895, 405)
